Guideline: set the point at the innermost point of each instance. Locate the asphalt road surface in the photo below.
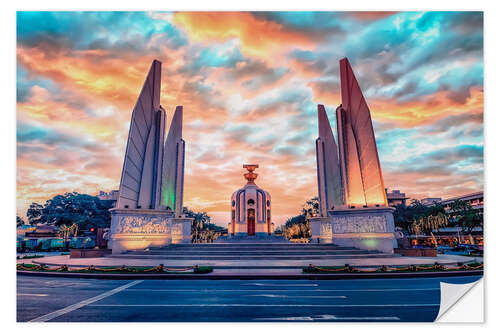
(90, 300)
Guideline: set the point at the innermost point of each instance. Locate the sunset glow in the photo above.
(250, 84)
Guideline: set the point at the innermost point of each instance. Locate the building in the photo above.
(430, 201)
(396, 198)
(476, 200)
(250, 208)
(111, 196)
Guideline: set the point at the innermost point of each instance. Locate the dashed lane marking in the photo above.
(328, 317)
(281, 285)
(295, 296)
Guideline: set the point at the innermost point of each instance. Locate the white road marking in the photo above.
(267, 305)
(38, 295)
(294, 296)
(277, 290)
(83, 303)
(281, 285)
(328, 317)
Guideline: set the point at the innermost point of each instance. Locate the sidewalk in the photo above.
(254, 265)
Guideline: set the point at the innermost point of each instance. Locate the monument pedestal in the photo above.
(364, 228)
(181, 230)
(321, 229)
(138, 229)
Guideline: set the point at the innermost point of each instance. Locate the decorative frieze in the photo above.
(359, 224)
(134, 229)
(142, 224)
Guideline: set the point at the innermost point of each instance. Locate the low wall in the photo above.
(88, 253)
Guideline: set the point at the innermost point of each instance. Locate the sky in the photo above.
(250, 84)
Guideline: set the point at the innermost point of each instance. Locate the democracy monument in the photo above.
(149, 207)
(353, 229)
(353, 203)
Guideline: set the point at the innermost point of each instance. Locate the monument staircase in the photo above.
(252, 251)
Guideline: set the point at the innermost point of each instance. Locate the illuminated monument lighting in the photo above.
(173, 168)
(353, 202)
(149, 207)
(362, 176)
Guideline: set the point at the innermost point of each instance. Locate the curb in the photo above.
(211, 276)
(41, 262)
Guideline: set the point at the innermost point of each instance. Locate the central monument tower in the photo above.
(250, 208)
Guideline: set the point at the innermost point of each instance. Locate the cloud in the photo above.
(250, 84)
(257, 36)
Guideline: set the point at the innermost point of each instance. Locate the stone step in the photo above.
(283, 248)
(257, 252)
(256, 246)
(252, 257)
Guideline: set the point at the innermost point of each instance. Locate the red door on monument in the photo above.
(251, 222)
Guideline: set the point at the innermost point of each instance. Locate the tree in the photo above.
(311, 208)
(429, 223)
(468, 218)
(202, 231)
(404, 216)
(19, 221)
(298, 226)
(72, 208)
(35, 214)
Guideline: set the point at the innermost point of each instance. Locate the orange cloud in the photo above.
(427, 110)
(110, 79)
(412, 113)
(41, 108)
(258, 37)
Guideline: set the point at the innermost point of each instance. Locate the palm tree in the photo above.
(429, 223)
(465, 216)
(311, 208)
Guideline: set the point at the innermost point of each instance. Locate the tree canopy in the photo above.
(85, 210)
(462, 214)
(298, 226)
(19, 221)
(427, 218)
(202, 231)
(404, 215)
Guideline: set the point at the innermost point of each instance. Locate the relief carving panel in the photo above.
(326, 229)
(142, 224)
(359, 224)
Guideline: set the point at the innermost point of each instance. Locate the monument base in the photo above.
(321, 230)
(364, 228)
(139, 229)
(181, 230)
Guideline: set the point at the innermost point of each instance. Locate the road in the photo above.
(91, 300)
